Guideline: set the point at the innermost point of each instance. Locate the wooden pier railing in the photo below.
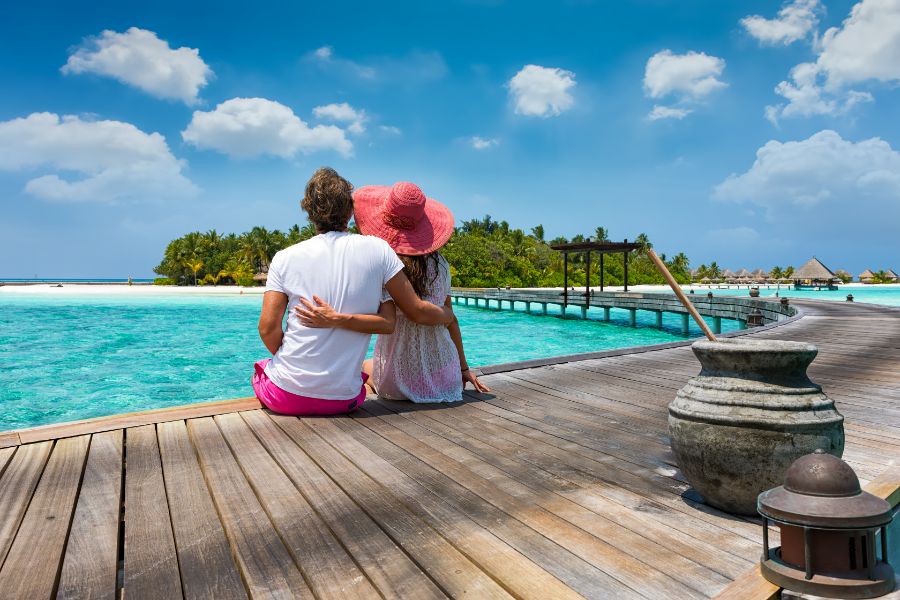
(742, 310)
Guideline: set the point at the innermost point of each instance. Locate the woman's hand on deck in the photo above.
(469, 377)
(318, 315)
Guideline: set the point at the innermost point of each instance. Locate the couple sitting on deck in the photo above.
(342, 287)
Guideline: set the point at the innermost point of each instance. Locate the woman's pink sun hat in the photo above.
(402, 216)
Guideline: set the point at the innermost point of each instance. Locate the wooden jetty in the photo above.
(715, 308)
(559, 484)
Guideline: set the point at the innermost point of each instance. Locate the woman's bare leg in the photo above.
(368, 367)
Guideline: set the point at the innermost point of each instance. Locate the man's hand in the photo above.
(318, 315)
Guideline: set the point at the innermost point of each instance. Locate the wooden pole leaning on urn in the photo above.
(680, 294)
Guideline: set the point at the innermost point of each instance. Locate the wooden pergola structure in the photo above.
(601, 248)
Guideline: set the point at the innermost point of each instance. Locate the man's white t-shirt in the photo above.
(348, 272)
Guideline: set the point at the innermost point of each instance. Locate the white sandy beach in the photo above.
(84, 289)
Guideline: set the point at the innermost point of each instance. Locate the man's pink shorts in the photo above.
(287, 403)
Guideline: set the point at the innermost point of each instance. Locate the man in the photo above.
(316, 371)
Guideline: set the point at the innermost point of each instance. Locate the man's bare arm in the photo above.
(271, 318)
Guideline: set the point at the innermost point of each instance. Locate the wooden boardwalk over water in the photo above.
(560, 484)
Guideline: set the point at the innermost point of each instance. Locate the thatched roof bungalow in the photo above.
(742, 274)
(891, 276)
(866, 276)
(814, 274)
(759, 275)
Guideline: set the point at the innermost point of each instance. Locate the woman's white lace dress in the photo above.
(420, 362)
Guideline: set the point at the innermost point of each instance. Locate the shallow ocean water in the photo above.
(888, 295)
(75, 357)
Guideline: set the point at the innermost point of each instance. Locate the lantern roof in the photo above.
(822, 491)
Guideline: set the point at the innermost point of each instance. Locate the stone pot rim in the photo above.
(749, 346)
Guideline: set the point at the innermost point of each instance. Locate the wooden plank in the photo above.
(207, 567)
(16, 486)
(31, 569)
(8, 439)
(266, 565)
(625, 568)
(6, 455)
(561, 456)
(749, 586)
(519, 575)
(330, 571)
(91, 561)
(887, 486)
(456, 574)
(151, 564)
(591, 511)
(386, 565)
(136, 419)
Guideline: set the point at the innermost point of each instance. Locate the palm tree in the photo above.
(681, 261)
(236, 269)
(788, 271)
(714, 271)
(776, 273)
(538, 233)
(601, 234)
(880, 277)
(643, 242)
(194, 264)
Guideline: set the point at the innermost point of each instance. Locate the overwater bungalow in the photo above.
(728, 275)
(866, 276)
(759, 275)
(742, 275)
(891, 276)
(815, 274)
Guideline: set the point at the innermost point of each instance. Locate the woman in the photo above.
(416, 362)
(316, 371)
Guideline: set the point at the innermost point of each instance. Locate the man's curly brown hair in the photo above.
(328, 200)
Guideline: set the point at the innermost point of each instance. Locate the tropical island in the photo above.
(482, 253)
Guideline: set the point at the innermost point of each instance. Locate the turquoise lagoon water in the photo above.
(74, 357)
(888, 295)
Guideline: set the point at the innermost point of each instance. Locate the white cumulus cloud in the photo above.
(693, 75)
(480, 143)
(685, 78)
(824, 169)
(668, 112)
(542, 91)
(140, 59)
(865, 48)
(245, 127)
(794, 22)
(343, 113)
(91, 161)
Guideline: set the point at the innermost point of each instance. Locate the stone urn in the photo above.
(754, 292)
(737, 426)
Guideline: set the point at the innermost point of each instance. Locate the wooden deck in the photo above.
(560, 484)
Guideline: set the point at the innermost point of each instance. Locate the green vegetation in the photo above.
(482, 253)
(882, 277)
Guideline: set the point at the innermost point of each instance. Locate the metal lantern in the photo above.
(828, 527)
(755, 318)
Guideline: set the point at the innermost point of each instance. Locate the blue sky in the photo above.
(123, 126)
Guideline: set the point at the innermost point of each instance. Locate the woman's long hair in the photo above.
(416, 269)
